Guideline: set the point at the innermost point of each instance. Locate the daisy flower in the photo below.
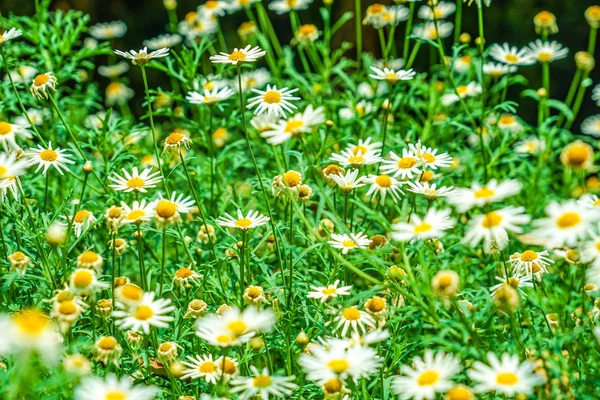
(142, 57)
(109, 30)
(285, 6)
(509, 122)
(589, 126)
(347, 242)
(430, 32)
(233, 326)
(530, 262)
(596, 94)
(213, 8)
(462, 64)
(43, 83)
(354, 318)
(498, 70)
(547, 51)
(429, 375)
(441, 10)
(10, 34)
(391, 76)
(294, 126)
(111, 387)
(252, 220)
(167, 211)
(84, 281)
(326, 293)
(589, 201)
(365, 146)
(480, 195)
(431, 226)
(148, 312)
(338, 360)
(273, 101)
(236, 5)
(9, 132)
(382, 185)
(176, 139)
(136, 181)
(118, 93)
(113, 71)
(10, 167)
(530, 145)
(430, 191)
(262, 385)
(492, 228)
(356, 160)
(82, 220)
(470, 90)
(577, 155)
(375, 15)
(201, 367)
(516, 281)
(46, 158)
(404, 167)
(566, 223)
(239, 56)
(511, 55)
(163, 41)
(257, 78)
(348, 181)
(210, 98)
(138, 212)
(359, 109)
(506, 376)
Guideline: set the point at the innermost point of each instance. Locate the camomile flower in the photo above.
(113, 388)
(462, 64)
(213, 8)
(359, 109)
(516, 281)
(138, 212)
(67, 312)
(511, 55)
(365, 146)
(82, 220)
(263, 385)
(492, 228)
(294, 126)
(239, 56)
(273, 101)
(382, 185)
(148, 312)
(356, 160)
(428, 376)
(347, 242)
(339, 360)
(10, 167)
(10, 34)
(236, 5)
(252, 220)
(530, 145)
(167, 211)
(162, 41)
(10, 132)
(507, 375)
(264, 122)
(118, 93)
(109, 30)
(480, 195)
(589, 201)
(84, 281)
(348, 181)
(49, 157)
(30, 331)
(596, 94)
(201, 367)
(233, 326)
(498, 70)
(355, 319)
(509, 122)
(430, 191)
(113, 71)
(441, 10)
(472, 89)
(209, 98)
(326, 293)
(431, 226)
(393, 15)
(135, 181)
(21, 74)
(429, 157)
(547, 51)
(566, 223)
(142, 57)
(430, 32)
(577, 155)
(530, 262)
(391, 76)
(375, 15)
(306, 34)
(589, 126)
(257, 78)
(285, 6)
(404, 167)
(177, 139)
(43, 83)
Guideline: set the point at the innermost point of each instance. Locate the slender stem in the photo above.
(573, 87)
(213, 161)
(414, 53)
(163, 261)
(140, 246)
(243, 268)
(578, 101)
(592, 41)
(46, 190)
(458, 22)
(291, 246)
(546, 83)
(411, 14)
(358, 26)
(112, 276)
(266, 25)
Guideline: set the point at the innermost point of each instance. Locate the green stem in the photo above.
(163, 261)
(46, 190)
(243, 269)
(458, 22)
(358, 26)
(291, 244)
(266, 25)
(407, 31)
(140, 245)
(592, 41)
(578, 101)
(413, 53)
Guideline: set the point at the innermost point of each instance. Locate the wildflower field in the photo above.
(299, 220)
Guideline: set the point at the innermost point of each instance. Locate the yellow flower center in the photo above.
(459, 393)
(361, 149)
(211, 4)
(406, 163)
(174, 138)
(31, 322)
(484, 193)
(88, 257)
(262, 381)
(223, 339)
(292, 178)
(462, 90)
(384, 181)
(544, 56)
(243, 223)
(377, 9)
(144, 313)
(293, 125)
(166, 209)
(429, 158)
(338, 366)
(114, 88)
(49, 155)
(375, 304)
(135, 215)
(41, 80)
(593, 12)
(207, 367)
(228, 367)
(356, 159)
(422, 227)
(491, 220)
(568, 220)
(83, 279)
(67, 307)
(308, 30)
(5, 128)
(507, 378)
(506, 120)
(115, 396)
(349, 243)
(3, 170)
(332, 386)
(80, 216)
(529, 255)
(165, 347)
(237, 56)
(511, 58)
(445, 281)
(135, 183)
(577, 154)
(544, 18)
(237, 327)
(272, 97)
(351, 314)
(107, 343)
(253, 292)
(329, 291)
(131, 292)
(428, 378)
(183, 273)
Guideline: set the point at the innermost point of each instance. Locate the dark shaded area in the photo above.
(506, 20)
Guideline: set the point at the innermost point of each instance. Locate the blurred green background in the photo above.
(506, 20)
